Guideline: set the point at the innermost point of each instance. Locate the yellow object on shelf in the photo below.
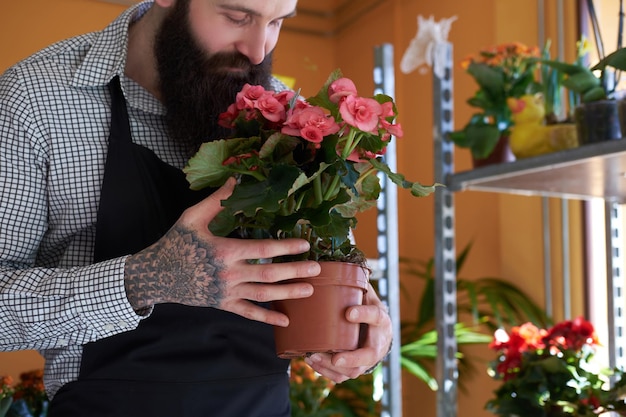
(530, 136)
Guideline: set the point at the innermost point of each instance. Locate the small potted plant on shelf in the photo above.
(550, 372)
(592, 89)
(501, 72)
(593, 94)
(305, 169)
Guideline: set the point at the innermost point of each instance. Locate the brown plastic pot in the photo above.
(318, 323)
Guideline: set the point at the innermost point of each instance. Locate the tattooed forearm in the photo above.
(179, 268)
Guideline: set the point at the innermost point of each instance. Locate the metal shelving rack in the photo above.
(387, 271)
(590, 171)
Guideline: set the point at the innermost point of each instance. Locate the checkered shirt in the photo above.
(54, 125)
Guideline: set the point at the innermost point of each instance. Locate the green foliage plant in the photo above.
(489, 302)
(501, 72)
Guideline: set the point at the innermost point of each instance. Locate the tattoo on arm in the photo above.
(179, 268)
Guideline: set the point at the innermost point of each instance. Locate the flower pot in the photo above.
(621, 114)
(500, 154)
(597, 121)
(318, 323)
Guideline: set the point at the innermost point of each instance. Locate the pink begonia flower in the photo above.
(311, 123)
(340, 88)
(360, 155)
(246, 98)
(391, 129)
(270, 108)
(284, 97)
(362, 113)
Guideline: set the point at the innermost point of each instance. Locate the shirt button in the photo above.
(109, 327)
(62, 342)
(122, 324)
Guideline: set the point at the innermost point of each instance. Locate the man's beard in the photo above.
(196, 86)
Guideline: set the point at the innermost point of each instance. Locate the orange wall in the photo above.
(505, 229)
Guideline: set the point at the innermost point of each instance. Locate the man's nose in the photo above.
(253, 46)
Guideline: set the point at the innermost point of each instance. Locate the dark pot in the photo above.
(621, 114)
(501, 153)
(318, 323)
(597, 121)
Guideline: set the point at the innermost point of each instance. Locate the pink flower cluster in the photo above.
(313, 123)
(254, 101)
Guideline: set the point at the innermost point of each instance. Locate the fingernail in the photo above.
(340, 362)
(304, 246)
(315, 358)
(307, 291)
(354, 314)
(314, 269)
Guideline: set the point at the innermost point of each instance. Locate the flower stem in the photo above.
(317, 189)
(330, 191)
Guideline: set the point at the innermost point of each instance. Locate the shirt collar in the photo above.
(107, 56)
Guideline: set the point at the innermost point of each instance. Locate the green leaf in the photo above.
(205, 168)
(482, 139)
(490, 79)
(223, 223)
(321, 98)
(616, 59)
(419, 371)
(581, 82)
(594, 94)
(250, 197)
(417, 189)
(563, 67)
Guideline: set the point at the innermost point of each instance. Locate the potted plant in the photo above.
(305, 169)
(501, 72)
(593, 88)
(550, 373)
(313, 395)
(26, 399)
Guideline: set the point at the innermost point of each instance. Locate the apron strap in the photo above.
(120, 125)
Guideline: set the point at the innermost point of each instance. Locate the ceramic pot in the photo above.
(500, 154)
(597, 121)
(318, 323)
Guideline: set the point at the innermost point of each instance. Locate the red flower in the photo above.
(572, 334)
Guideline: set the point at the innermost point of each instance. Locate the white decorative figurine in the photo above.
(427, 46)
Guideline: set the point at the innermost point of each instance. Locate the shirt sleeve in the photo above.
(45, 307)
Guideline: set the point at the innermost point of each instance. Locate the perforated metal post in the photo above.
(445, 252)
(615, 285)
(388, 253)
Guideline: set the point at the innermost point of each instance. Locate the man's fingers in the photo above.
(268, 248)
(272, 292)
(210, 206)
(373, 315)
(252, 311)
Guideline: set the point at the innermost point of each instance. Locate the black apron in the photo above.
(181, 361)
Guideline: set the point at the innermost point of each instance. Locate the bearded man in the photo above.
(107, 265)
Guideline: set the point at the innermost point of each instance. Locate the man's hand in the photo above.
(191, 266)
(346, 365)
